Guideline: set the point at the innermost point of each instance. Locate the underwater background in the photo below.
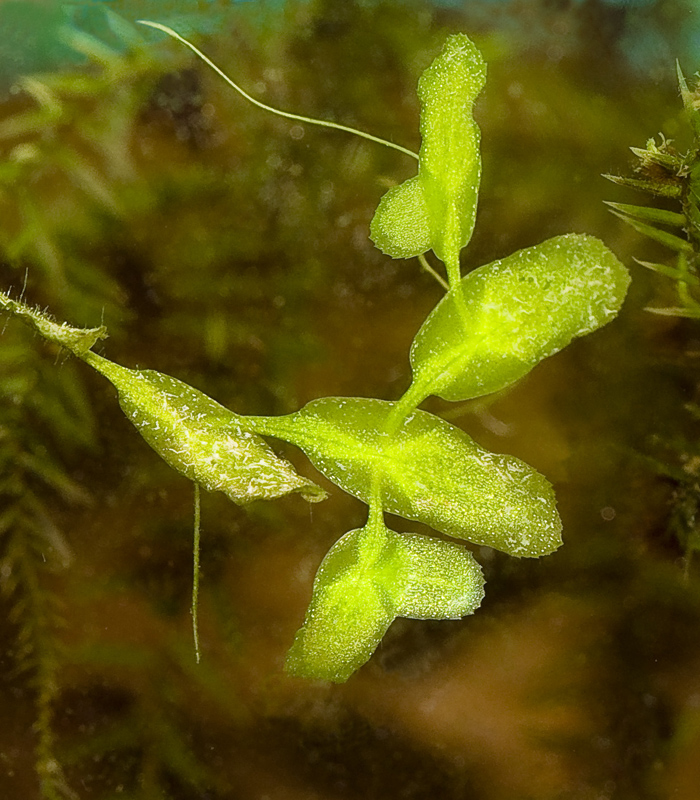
(229, 248)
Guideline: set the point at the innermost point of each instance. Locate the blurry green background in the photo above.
(229, 248)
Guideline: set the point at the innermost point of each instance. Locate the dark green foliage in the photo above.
(667, 173)
(43, 420)
(71, 183)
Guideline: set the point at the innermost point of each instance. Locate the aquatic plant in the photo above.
(60, 175)
(491, 328)
(672, 178)
(33, 395)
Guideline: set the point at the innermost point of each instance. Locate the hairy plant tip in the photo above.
(78, 340)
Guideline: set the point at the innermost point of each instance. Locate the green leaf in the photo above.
(450, 164)
(347, 618)
(687, 313)
(654, 155)
(430, 471)
(436, 579)
(649, 214)
(400, 226)
(370, 577)
(670, 240)
(671, 272)
(184, 427)
(690, 101)
(521, 310)
(670, 187)
(436, 209)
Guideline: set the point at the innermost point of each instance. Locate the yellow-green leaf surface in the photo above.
(436, 579)
(367, 579)
(450, 163)
(436, 208)
(430, 471)
(520, 309)
(184, 427)
(400, 226)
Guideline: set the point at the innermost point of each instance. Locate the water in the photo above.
(231, 251)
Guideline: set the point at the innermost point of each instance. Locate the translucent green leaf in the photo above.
(195, 435)
(400, 226)
(348, 615)
(436, 579)
(436, 209)
(450, 163)
(368, 578)
(521, 309)
(671, 272)
(431, 472)
(184, 427)
(687, 313)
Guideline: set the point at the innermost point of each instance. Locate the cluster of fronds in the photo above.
(145, 745)
(684, 471)
(670, 175)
